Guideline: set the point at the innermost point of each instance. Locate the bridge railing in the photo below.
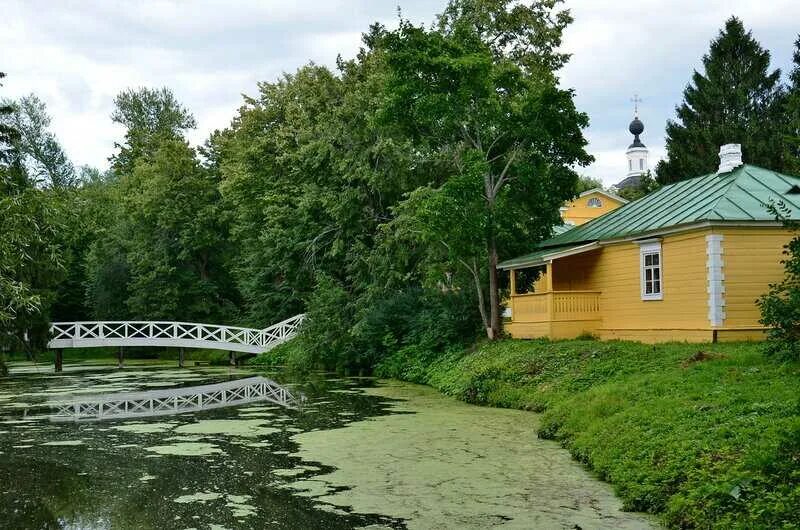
(166, 331)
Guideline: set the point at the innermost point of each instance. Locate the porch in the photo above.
(549, 303)
(554, 314)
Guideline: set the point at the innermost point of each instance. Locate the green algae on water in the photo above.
(245, 428)
(145, 428)
(185, 449)
(198, 497)
(453, 465)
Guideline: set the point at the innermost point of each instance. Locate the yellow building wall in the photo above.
(685, 302)
(578, 211)
(752, 260)
(613, 270)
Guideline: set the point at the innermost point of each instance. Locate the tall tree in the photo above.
(736, 99)
(793, 114)
(480, 96)
(15, 226)
(158, 253)
(45, 162)
(30, 263)
(149, 117)
(177, 244)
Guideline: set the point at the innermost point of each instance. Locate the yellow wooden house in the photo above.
(685, 263)
(589, 205)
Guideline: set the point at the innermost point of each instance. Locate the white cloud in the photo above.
(78, 55)
(650, 48)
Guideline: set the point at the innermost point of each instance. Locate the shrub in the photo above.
(407, 332)
(780, 307)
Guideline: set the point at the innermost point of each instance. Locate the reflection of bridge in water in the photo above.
(174, 401)
(169, 334)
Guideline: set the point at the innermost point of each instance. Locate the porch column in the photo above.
(513, 281)
(549, 290)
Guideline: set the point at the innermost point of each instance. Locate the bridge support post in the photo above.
(181, 355)
(232, 358)
(59, 360)
(120, 357)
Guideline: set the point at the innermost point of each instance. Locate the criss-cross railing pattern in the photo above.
(184, 334)
(174, 401)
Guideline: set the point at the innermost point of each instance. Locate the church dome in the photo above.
(636, 127)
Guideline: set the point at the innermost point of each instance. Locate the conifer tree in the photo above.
(736, 99)
(793, 114)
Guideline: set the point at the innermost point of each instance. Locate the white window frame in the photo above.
(647, 248)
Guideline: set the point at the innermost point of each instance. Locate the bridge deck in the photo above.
(174, 401)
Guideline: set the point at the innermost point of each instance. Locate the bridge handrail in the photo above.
(164, 322)
(165, 330)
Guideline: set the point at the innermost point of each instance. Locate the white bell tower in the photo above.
(637, 151)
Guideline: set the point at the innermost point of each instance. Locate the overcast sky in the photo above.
(77, 56)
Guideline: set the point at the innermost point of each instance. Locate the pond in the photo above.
(359, 454)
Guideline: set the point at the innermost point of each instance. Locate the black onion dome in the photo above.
(636, 127)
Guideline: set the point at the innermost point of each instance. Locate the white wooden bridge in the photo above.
(174, 401)
(169, 334)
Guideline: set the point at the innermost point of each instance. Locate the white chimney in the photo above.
(730, 157)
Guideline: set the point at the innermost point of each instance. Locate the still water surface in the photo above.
(360, 453)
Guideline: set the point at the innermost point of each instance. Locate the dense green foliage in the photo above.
(413, 322)
(30, 265)
(706, 435)
(780, 306)
(396, 180)
(792, 114)
(412, 169)
(465, 99)
(736, 99)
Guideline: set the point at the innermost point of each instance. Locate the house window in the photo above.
(630, 165)
(641, 164)
(594, 202)
(652, 279)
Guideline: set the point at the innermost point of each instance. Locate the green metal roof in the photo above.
(527, 260)
(560, 229)
(740, 195)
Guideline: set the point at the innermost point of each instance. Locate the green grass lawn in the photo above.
(707, 436)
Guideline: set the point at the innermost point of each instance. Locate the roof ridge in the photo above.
(713, 208)
(773, 190)
(604, 192)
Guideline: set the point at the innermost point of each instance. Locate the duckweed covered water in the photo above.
(359, 454)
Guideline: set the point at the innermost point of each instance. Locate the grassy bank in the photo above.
(707, 436)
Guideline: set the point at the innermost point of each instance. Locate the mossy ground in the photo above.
(707, 436)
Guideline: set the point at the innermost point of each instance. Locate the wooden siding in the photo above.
(752, 260)
(614, 271)
(578, 211)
